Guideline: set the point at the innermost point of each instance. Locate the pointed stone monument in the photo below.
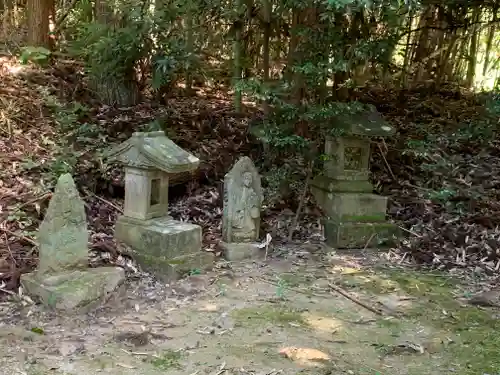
(241, 214)
(63, 280)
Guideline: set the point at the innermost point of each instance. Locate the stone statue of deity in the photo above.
(242, 203)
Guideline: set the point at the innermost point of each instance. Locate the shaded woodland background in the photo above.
(259, 78)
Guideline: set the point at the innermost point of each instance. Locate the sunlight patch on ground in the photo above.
(11, 66)
(323, 323)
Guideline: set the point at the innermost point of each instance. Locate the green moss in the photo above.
(167, 360)
(475, 331)
(295, 279)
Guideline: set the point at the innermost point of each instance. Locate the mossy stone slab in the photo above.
(168, 269)
(355, 235)
(161, 237)
(164, 247)
(77, 291)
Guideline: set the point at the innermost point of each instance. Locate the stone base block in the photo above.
(74, 291)
(162, 237)
(360, 235)
(165, 247)
(353, 207)
(330, 185)
(240, 251)
(168, 269)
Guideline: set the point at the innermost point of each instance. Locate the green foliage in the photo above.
(37, 55)
(111, 52)
(167, 360)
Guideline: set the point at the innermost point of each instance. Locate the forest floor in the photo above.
(441, 172)
(274, 316)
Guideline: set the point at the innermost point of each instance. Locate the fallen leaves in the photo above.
(305, 356)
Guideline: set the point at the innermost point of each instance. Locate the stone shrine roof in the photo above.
(153, 150)
(369, 123)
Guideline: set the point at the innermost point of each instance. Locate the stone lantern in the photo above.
(162, 245)
(355, 217)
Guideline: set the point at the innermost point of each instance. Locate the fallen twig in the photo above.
(104, 201)
(355, 300)
(20, 236)
(386, 163)
(409, 231)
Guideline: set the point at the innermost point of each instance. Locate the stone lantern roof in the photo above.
(367, 123)
(153, 150)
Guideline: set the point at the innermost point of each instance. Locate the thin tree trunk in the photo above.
(237, 55)
(267, 9)
(489, 41)
(406, 62)
(190, 49)
(471, 68)
(38, 23)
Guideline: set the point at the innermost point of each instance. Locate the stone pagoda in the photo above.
(355, 217)
(161, 245)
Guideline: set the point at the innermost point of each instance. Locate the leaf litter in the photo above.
(450, 213)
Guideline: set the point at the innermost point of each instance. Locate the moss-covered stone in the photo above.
(165, 247)
(331, 185)
(78, 291)
(348, 235)
(166, 268)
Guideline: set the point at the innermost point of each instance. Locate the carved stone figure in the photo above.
(242, 203)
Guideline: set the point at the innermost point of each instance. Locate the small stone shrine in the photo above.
(241, 215)
(63, 280)
(355, 217)
(161, 245)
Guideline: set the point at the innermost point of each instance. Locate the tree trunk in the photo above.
(237, 55)
(267, 9)
(472, 60)
(111, 90)
(489, 41)
(38, 23)
(189, 49)
(406, 62)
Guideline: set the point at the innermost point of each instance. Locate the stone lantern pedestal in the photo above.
(161, 245)
(355, 217)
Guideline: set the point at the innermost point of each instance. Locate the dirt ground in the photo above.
(274, 316)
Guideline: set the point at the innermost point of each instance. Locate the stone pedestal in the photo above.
(165, 247)
(353, 219)
(241, 251)
(78, 291)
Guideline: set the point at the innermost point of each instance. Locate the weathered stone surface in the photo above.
(240, 251)
(168, 269)
(63, 235)
(368, 123)
(349, 158)
(163, 237)
(154, 150)
(163, 246)
(353, 235)
(146, 193)
(331, 185)
(352, 206)
(63, 280)
(77, 291)
(242, 203)
(354, 216)
(150, 159)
